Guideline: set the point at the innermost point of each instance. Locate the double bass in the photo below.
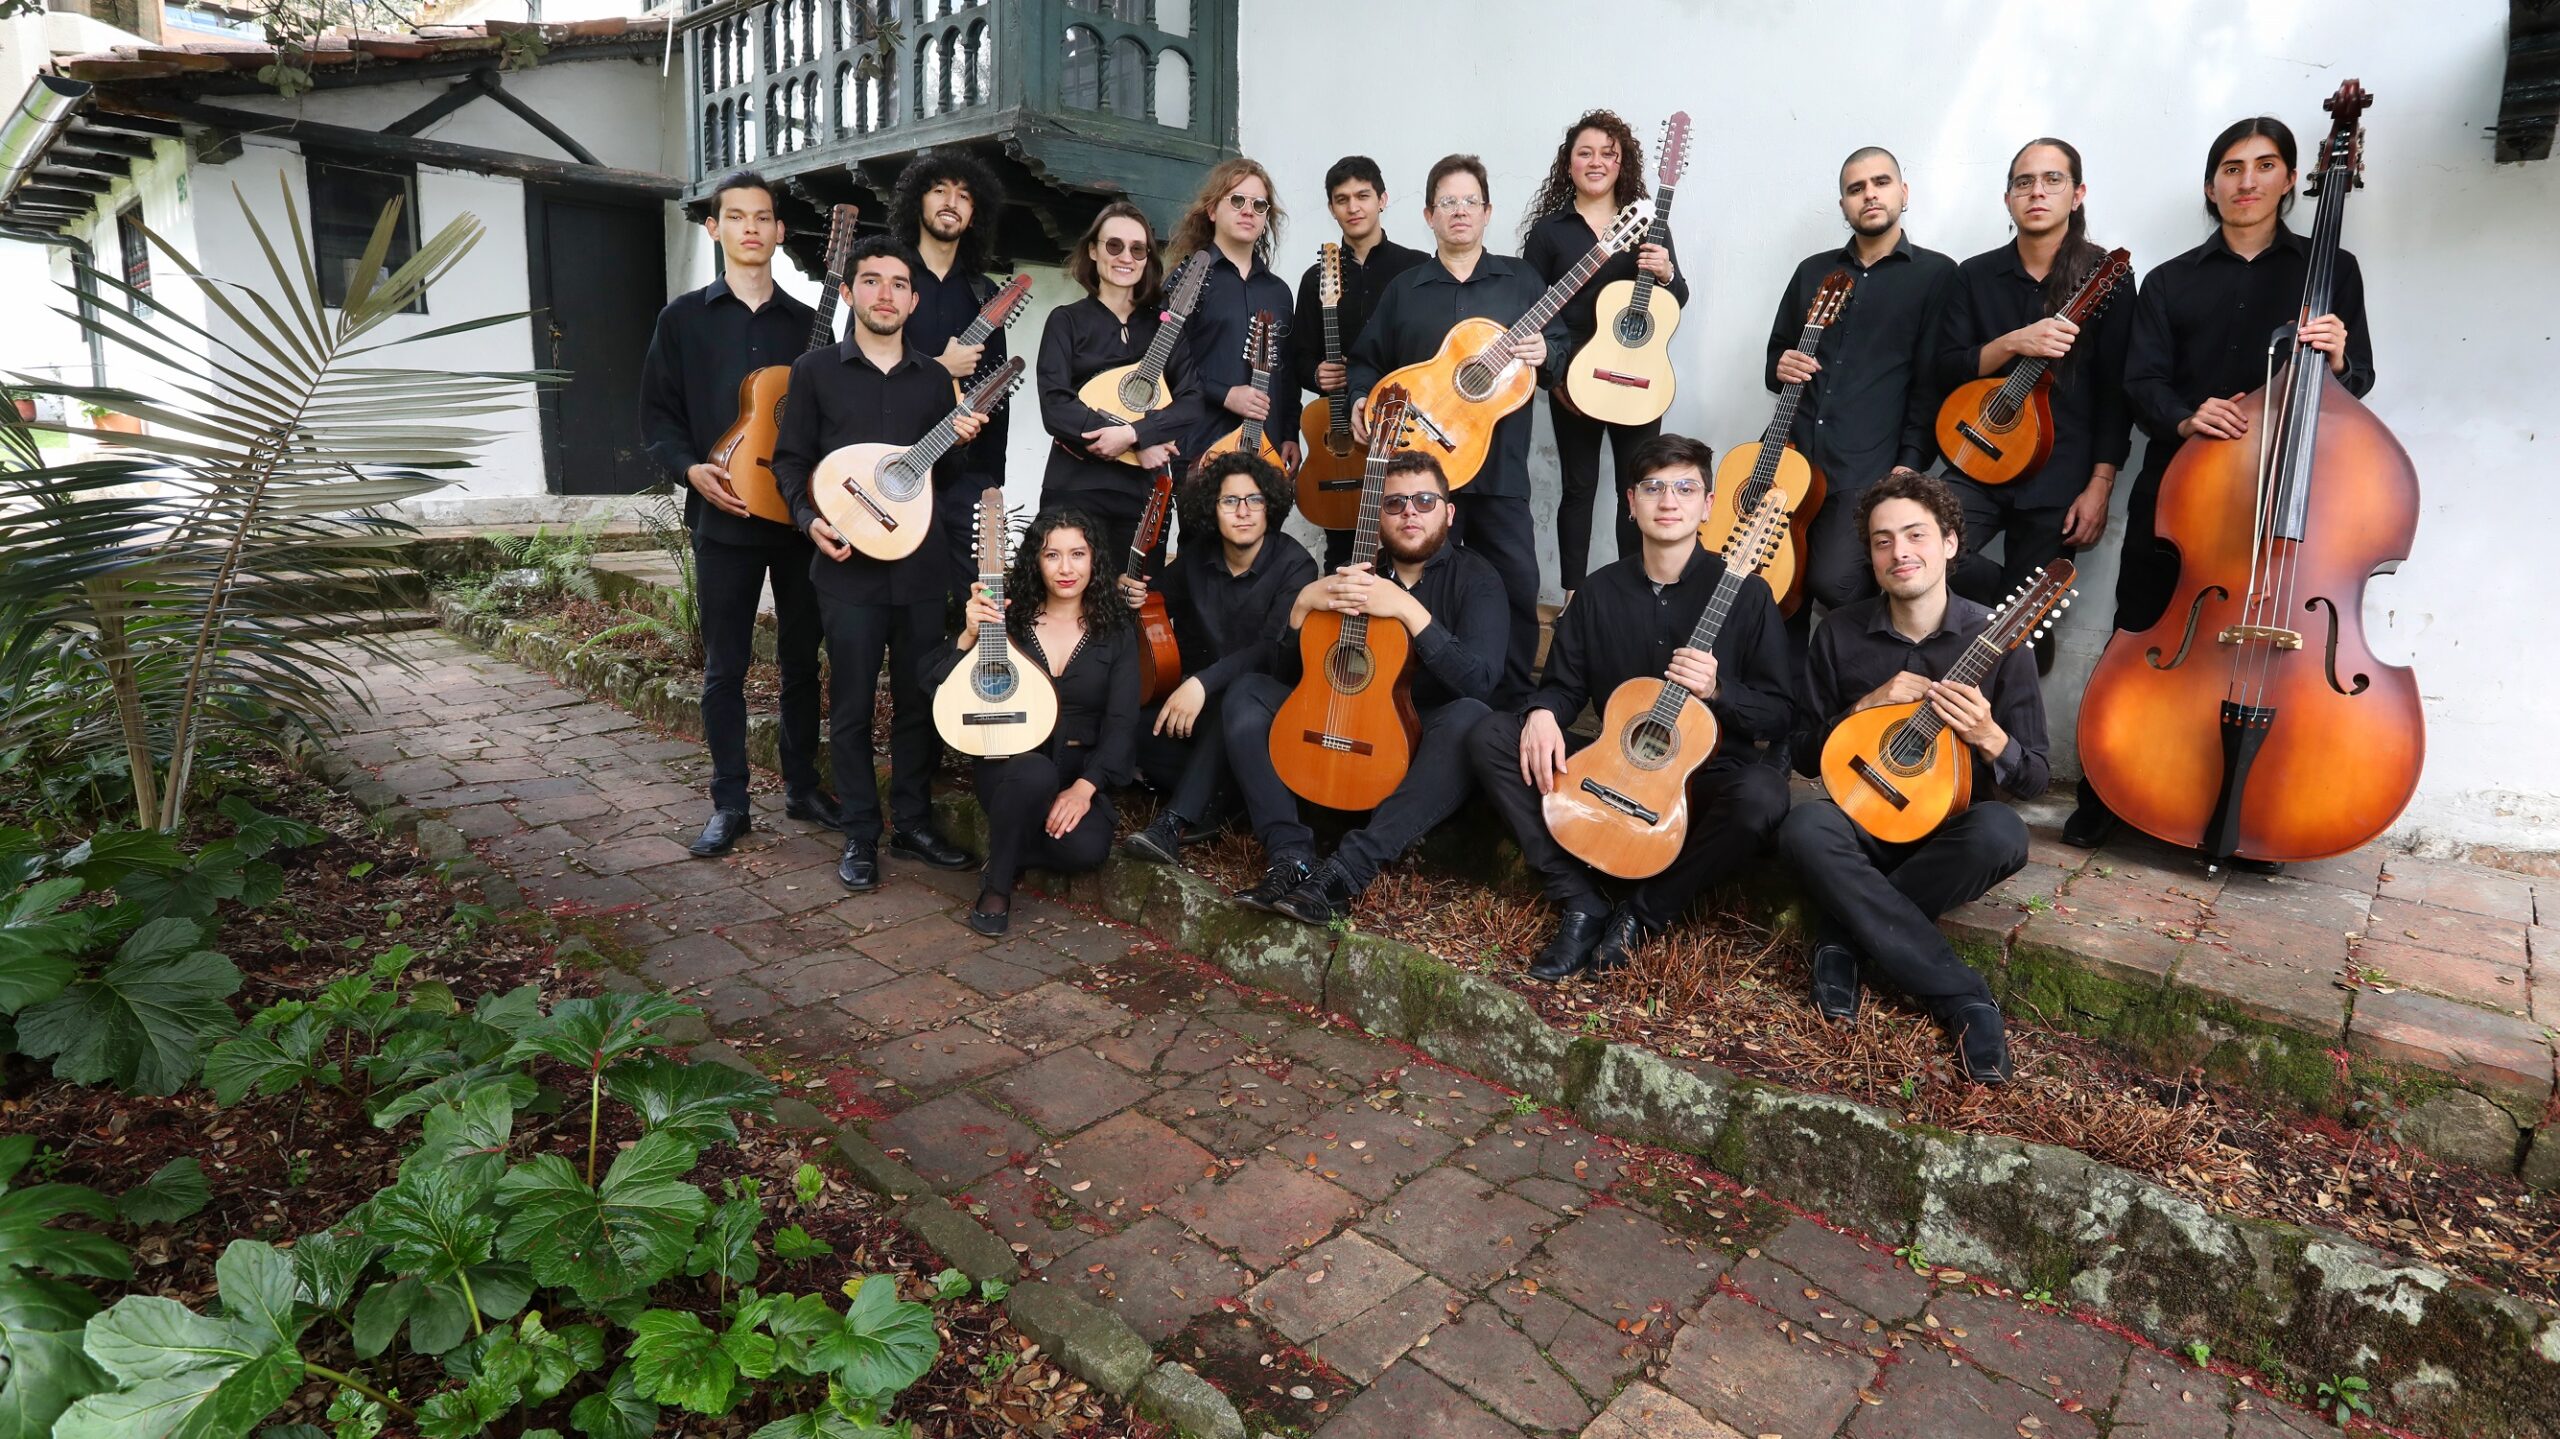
(2252, 721)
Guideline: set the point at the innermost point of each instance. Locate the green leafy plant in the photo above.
(674, 616)
(2345, 1398)
(532, 569)
(2197, 1351)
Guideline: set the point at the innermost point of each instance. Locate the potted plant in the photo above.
(102, 418)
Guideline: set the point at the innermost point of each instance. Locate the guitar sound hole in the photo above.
(1650, 744)
(1475, 380)
(1136, 394)
(1903, 753)
(993, 682)
(899, 481)
(1634, 326)
(777, 410)
(1349, 668)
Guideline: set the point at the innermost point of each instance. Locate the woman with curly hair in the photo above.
(946, 207)
(1050, 808)
(1234, 222)
(1122, 272)
(1598, 171)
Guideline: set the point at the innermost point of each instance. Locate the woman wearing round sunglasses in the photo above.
(1123, 278)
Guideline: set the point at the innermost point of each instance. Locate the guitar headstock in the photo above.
(991, 390)
(1675, 149)
(1186, 288)
(1828, 300)
(1629, 229)
(1751, 544)
(1390, 420)
(1260, 342)
(1159, 510)
(840, 238)
(1329, 273)
(2344, 149)
(2034, 607)
(993, 535)
(1007, 303)
(2100, 287)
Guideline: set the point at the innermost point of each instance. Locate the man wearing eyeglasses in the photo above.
(1635, 618)
(1450, 602)
(1236, 221)
(1462, 281)
(1227, 601)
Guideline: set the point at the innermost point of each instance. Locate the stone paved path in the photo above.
(1260, 1194)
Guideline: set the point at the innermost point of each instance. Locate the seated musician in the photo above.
(1874, 906)
(1452, 602)
(1635, 617)
(1227, 599)
(1050, 808)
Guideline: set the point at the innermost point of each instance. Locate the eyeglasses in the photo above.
(1256, 203)
(1134, 249)
(2054, 180)
(1241, 504)
(1421, 503)
(1457, 204)
(1656, 489)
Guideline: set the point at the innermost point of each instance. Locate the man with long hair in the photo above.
(1235, 222)
(706, 341)
(1355, 192)
(946, 208)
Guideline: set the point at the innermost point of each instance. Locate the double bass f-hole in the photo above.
(2363, 681)
(2187, 641)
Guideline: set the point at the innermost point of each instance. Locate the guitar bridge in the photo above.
(1976, 438)
(1620, 377)
(1875, 780)
(995, 717)
(879, 516)
(1323, 486)
(1439, 436)
(1339, 744)
(1623, 804)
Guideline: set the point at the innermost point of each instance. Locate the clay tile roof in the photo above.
(428, 42)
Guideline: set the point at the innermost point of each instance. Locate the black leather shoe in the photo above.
(723, 831)
(991, 922)
(817, 807)
(1835, 982)
(927, 848)
(1158, 843)
(1570, 951)
(1325, 897)
(2089, 824)
(860, 866)
(1620, 938)
(2257, 866)
(1982, 1043)
(1285, 874)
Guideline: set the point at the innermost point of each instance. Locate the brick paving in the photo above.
(1240, 1180)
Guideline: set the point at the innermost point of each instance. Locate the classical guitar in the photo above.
(1330, 461)
(1345, 735)
(1130, 393)
(1458, 395)
(997, 704)
(1621, 804)
(2000, 427)
(1622, 374)
(1749, 471)
(880, 497)
(1261, 349)
(745, 449)
(1897, 770)
(1159, 657)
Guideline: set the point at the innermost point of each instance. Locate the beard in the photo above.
(947, 230)
(1865, 226)
(1415, 554)
(875, 327)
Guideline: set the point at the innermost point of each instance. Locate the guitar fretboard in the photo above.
(1338, 431)
(1660, 234)
(1667, 705)
(1782, 423)
(924, 454)
(991, 546)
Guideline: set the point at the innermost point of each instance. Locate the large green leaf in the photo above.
(617, 1411)
(259, 832)
(824, 1424)
(799, 1324)
(180, 1373)
(42, 1366)
(104, 859)
(589, 1034)
(28, 1240)
(469, 1136)
(885, 1344)
(692, 1100)
(616, 1239)
(287, 1054)
(435, 1223)
(38, 943)
(728, 1245)
(677, 1359)
(144, 1020)
(327, 1267)
(174, 1191)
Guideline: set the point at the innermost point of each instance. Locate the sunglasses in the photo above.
(1256, 203)
(1420, 504)
(1134, 249)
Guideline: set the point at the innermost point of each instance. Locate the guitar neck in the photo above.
(1252, 441)
(1553, 301)
(1339, 403)
(1703, 637)
(1364, 540)
(1970, 668)
(1660, 234)
(822, 330)
(1782, 420)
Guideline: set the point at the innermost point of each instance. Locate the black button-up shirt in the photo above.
(1079, 342)
(706, 341)
(2202, 324)
(1362, 282)
(1873, 405)
(1557, 243)
(1621, 626)
(1417, 312)
(1856, 649)
(1216, 336)
(946, 305)
(839, 398)
(1993, 295)
(1224, 621)
(1096, 737)
(1461, 650)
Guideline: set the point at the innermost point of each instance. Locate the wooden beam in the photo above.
(86, 137)
(139, 124)
(58, 199)
(118, 166)
(347, 140)
(461, 93)
(488, 81)
(69, 180)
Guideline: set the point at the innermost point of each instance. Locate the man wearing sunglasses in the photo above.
(1635, 618)
(1236, 220)
(1450, 602)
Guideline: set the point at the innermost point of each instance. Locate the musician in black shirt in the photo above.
(1874, 906)
(1869, 401)
(1356, 192)
(1228, 591)
(1636, 618)
(1123, 279)
(2204, 335)
(1598, 171)
(873, 389)
(706, 341)
(2006, 307)
(946, 206)
(1051, 808)
(1235, 222)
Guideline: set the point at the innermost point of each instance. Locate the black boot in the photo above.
(1570, 951)
(925, 847)
(1286, 873)
(1835, 982)
(1158, 843)
(721, 833)
(1324, 898)
(859, 867)
(1619, 940)
(2090, 823)
(817, 807)
(1982, 1042)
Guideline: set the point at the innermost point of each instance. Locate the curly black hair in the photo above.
(1557, 192)
(1197, 501)
(986, 193)
(1024, 592)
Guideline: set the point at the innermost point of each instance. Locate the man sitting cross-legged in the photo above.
(1634, 618)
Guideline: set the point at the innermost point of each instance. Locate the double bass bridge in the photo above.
(2281, 638)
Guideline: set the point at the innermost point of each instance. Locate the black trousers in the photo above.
(1190, 772)
(1116, 511)
(1337, 549)
(1883, 900)
(1433, 788)
(1578, 439)
(958, 507)
(731, 579)
(1735, 805)
(856, 637)
(2030, 538)
(1016, 794)
(1502, 529)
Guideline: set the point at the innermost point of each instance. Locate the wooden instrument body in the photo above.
(897, 526)
(1126, 395)
(1328, 479)
(2021, 445)
(1360, 697)
(1457, 401)
(745, 449)
(1159, 657)
(1941, 785)
(1233, 440)
(1622, 374)
(2341, 759)
(1796, 475)
(996, 709)
(1637, 768)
